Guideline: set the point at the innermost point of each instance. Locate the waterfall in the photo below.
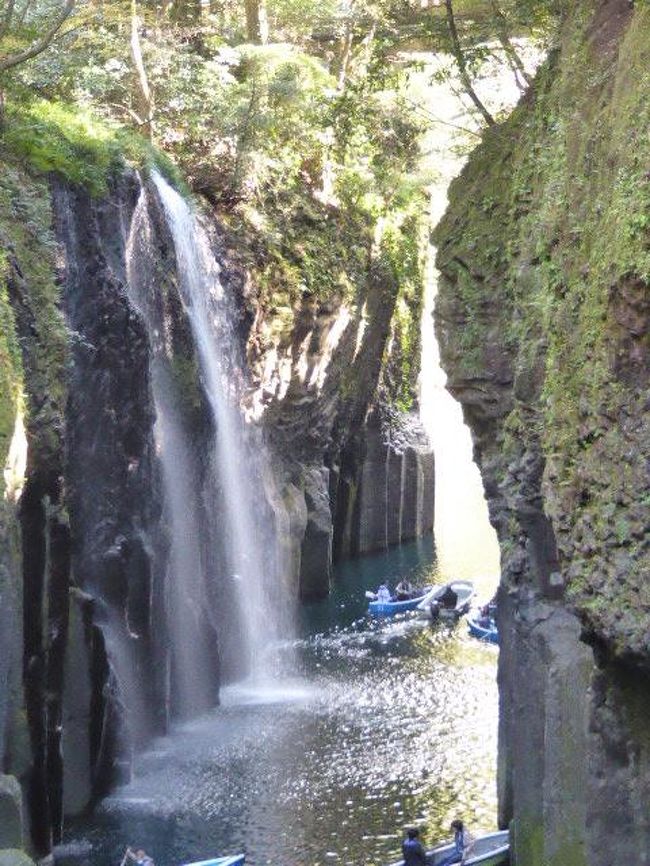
(234, 493)
(194, 686)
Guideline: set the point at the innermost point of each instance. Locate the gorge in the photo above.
(115, 529)
(209, 409)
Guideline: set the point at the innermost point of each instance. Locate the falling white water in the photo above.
(194, 676)
(250, 551)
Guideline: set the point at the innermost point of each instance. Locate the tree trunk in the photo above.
(459, 57)
(144, 97)
(257, 25)
(346, 55)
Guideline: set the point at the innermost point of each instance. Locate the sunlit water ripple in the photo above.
(374, 727)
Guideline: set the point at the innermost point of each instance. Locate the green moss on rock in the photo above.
(545, 253)
(53, 137)
(34, 345)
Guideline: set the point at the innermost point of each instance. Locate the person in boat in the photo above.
(404, 590)
(139, 857)
(463, 844)
(412, 849)
(383, 594)
(448, 598)
(487, 614)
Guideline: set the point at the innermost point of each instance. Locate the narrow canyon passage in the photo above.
(359, 728)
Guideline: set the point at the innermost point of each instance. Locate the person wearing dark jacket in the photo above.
(413, 849)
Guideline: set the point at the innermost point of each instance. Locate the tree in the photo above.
(144, 96)
(503, 33)
(15, 19)
(461, 63)
(257, 26)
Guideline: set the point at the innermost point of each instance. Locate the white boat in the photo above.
(236, 860)
(492, 849)
(449, 601)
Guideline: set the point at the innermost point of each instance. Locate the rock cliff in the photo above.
(543, 320)
(88, 668)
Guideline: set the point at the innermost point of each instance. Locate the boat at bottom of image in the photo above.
(491, 849)
(234, 860)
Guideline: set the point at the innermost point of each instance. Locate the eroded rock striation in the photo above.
(543, 319)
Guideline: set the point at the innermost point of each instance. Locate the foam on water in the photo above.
(252, 693)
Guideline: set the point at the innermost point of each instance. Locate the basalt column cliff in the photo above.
(544, 318)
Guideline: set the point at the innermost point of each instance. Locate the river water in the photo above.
(368, 727)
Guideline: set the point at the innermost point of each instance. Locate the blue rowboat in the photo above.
(492, 849)
(236, 860)
(390, 608)
(484, 628)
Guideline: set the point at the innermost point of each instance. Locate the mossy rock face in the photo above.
(33, 345)
(544, 315)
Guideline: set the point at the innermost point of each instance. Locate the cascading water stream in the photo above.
(193, 669)
(248, 535)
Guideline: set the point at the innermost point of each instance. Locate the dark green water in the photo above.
(373, 726)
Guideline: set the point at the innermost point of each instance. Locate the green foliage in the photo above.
(302, 145)
(305, 250)
(52, 137)
(55, 137)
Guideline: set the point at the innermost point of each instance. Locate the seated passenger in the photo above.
(413, 849)
(383, 594)
(404, 590)
(448, 599)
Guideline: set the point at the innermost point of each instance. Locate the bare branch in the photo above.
(134, 116)
(40, 44)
